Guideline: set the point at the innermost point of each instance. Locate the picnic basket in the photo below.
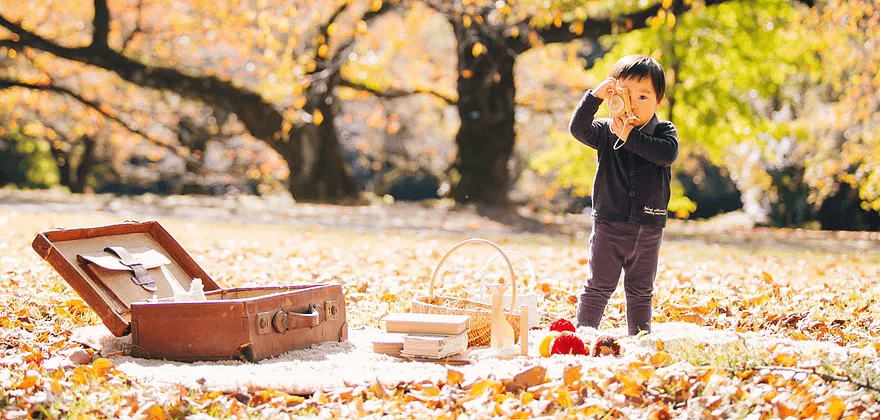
(480, 312)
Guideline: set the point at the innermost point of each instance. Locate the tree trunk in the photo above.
(485, 140)
(318, 170)
(86, 162)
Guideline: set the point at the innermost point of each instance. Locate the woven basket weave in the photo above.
(480, 312)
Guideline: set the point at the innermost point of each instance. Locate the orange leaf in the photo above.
(155, 412)
(571, 374)
(28, 382)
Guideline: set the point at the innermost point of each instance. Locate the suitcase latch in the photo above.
(331, 309)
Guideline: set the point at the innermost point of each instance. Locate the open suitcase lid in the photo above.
(112, 266)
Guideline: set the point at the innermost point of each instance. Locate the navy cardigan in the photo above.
(633, 182)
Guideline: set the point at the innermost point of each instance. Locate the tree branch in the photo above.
(262, 120)
(137, 26)
(395, 93)
(8, 83)
(596, 27)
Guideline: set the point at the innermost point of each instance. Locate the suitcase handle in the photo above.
(285, 320)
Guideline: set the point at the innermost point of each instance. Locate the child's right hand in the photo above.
(604, 90)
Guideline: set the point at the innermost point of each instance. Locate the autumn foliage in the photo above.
(780, 297)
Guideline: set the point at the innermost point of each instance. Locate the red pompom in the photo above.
(605, 346)
(567, 343)
(561, 325)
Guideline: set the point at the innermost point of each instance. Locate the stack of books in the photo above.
(428, 336)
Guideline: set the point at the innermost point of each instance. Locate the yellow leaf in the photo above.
(300, 101)
(466, 21)
(526, 397)
(670, 20)
(80, 375)
(767, 277)
(33, 129)
(322, 50)
(361, 27)
(667, 4)
(577, 28)
(836, 407)
(784, 359)
(661, 358)
(467, 74)
(660, 345)
(479, 388)
(454, 377)
(563, 398)
(376, 5)
(101, 366)
(388, 297)
(318, 116)
(477, 50)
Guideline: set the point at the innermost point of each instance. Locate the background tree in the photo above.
(279, 87)
(490, 37)
(841, 116)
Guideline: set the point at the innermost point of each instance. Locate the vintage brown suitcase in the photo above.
(130, 272)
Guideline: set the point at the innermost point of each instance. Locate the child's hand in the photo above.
(621, 127)
(604, 90)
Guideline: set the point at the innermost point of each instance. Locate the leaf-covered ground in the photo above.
(770, 284)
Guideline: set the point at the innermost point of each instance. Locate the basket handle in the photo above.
(477, 240)
(489, 264)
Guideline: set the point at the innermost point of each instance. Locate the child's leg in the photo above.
(638, 281)
(606, 261)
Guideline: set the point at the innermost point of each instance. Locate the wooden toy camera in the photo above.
(619, 103)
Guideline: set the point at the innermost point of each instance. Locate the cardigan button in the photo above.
(632, 193)
(632, 173)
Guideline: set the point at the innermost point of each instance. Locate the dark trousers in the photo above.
(616, 246)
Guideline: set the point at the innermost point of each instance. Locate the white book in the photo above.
(434, 346)
(418, 323)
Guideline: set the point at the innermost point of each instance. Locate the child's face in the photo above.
(642, 97)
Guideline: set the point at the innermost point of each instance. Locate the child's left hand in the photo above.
(622, 127)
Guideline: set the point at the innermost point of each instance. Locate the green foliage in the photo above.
(727, 68)
(26, 162)
(572, 163)
(843, 110)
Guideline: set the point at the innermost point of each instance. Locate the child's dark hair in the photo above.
(639, 67)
